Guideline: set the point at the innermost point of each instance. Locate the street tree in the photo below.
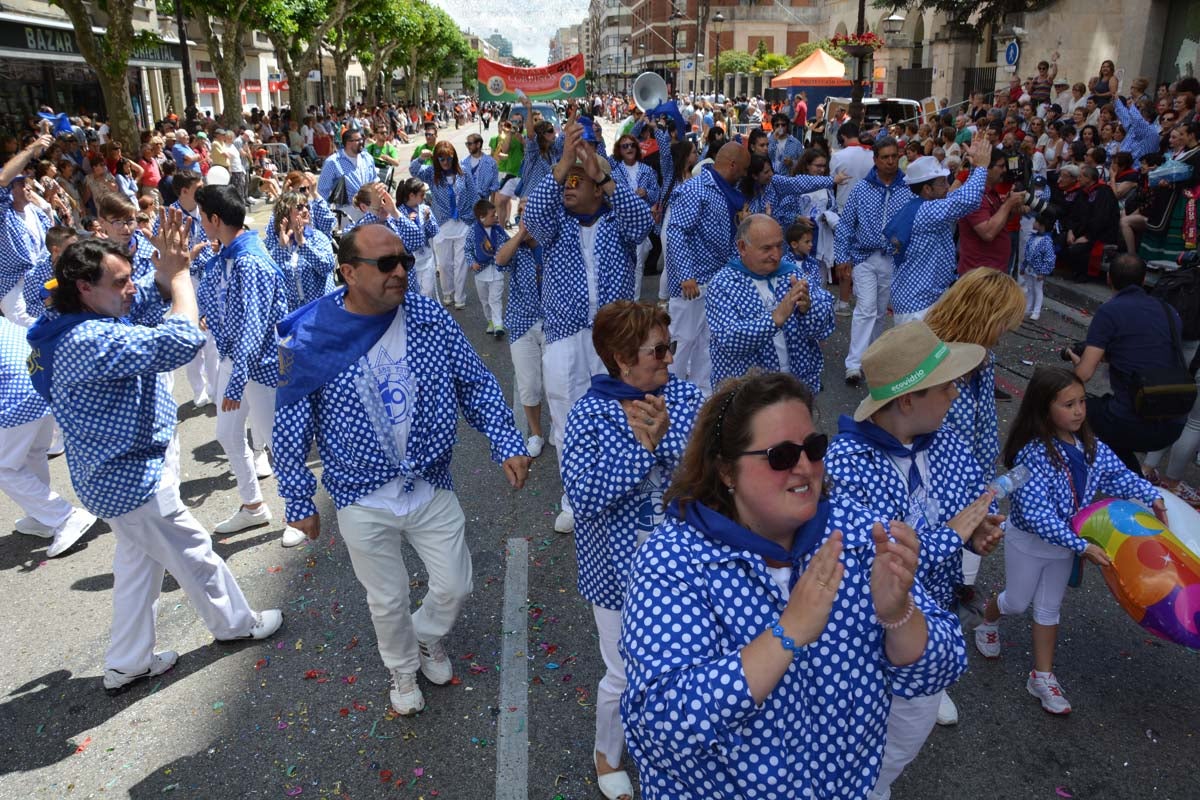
(974, 15)
(298, 29)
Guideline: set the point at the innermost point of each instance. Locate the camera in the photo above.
(1189, 258)
(1076, 348)
(1037, 205)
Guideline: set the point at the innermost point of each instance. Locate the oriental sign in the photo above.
(57, 43)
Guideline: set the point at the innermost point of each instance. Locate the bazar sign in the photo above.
(502, 82)
(57, 41)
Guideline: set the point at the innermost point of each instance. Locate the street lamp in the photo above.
(893, 24)
(696, 76)
(856, 94)
(717, 21)
(642, 56)
(674, 20)
(625, 59)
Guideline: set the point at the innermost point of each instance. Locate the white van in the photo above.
(885, 110)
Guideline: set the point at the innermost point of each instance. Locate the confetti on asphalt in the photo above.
(83, 745)
(1062, 791)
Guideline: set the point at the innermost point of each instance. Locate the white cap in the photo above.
(925, 168)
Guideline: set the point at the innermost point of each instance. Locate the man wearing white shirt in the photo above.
(855, 160)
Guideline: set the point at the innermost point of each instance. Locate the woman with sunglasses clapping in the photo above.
(624, 438)
(766, 626)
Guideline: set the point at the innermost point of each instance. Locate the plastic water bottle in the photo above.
(1009, 482)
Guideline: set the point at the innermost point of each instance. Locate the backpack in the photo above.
(1181, 289)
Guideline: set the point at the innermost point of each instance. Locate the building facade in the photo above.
(608, 57)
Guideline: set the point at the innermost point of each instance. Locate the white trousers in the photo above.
(1033, 577)
(970, 567)
(689, 327)
(643, 250)
(567, 369)
(610, 736)
(25, 471)
(872, 293)
(202, 370)
(425, 270)
(13, 306)
(450, 248)
(1033, 286)
(909, 724)
(491, 297)
(159, 535)
(437, 531)
(527, 353)
(258, 405)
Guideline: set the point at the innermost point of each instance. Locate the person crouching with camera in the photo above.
(1152, 388)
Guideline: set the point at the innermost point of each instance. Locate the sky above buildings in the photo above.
(528, 24)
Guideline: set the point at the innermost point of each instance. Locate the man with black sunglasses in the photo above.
(376, 375)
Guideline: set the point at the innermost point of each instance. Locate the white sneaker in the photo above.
(116, 681)
(1049, 693)
(201, 400)
(266, 623)
(987, 639)
(459, 306)
(292, 537)
(31, 527)
(406, 696)
(244, 518)
(534, 445)
(69, 532)
(843, 308)
(564, 522)
(262, 465)
(1036, 316)
(435, 664)
(947, 711)
(854, 377)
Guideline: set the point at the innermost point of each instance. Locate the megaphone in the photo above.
(649, 91)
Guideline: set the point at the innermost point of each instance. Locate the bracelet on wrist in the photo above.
(787, 642)
(908, 613)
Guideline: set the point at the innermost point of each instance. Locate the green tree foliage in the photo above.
(969, 14)
(771, 62)
(109, 56)
(731, 61)
(808, 48)
(521, 61)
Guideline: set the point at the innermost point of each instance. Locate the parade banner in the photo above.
(500, 82)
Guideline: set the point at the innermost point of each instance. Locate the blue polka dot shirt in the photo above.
(743, 331)
(692, 725)
(19, 403)
(616, 485)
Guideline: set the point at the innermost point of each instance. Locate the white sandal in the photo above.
(615, 785)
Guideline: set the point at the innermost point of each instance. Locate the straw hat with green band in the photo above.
(910, 358)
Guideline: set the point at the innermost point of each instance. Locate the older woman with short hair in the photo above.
(767, 627)
(623, 440)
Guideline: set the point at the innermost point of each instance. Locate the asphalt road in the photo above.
(306, 713)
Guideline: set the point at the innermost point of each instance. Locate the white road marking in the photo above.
(512, 748)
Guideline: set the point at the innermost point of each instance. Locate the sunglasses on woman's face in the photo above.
(389, 263)
(628, 146)
(660, 350)
(786, 455)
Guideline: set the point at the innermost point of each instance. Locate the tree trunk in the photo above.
(228, 56)
(378, 65)
(341, 65)
(111, 63)
(414, 79)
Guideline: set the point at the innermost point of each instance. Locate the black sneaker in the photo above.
(854, 378)
(1002, 395)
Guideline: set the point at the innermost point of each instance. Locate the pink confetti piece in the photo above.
(419, 772)
(294, 791)
(1061, 791)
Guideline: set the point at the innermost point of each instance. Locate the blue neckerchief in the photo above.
(1077, 466)
(736, 265)
(587, 220)
(734, 199)
(319, 340)
(247, 243)
(718, 527)
(44, 337)
(486, 244)
(899, 229)
(606, 387)
(873, 177)
(873, 436)
(60, 122)
(453, 199)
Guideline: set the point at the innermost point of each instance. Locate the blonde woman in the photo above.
(979, 308)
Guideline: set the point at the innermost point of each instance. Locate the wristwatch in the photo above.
(601, 183)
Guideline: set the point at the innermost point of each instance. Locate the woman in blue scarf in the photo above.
(766, 627)
(623, 440)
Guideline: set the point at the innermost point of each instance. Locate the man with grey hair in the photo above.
(766, 311)
(1095, 222)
